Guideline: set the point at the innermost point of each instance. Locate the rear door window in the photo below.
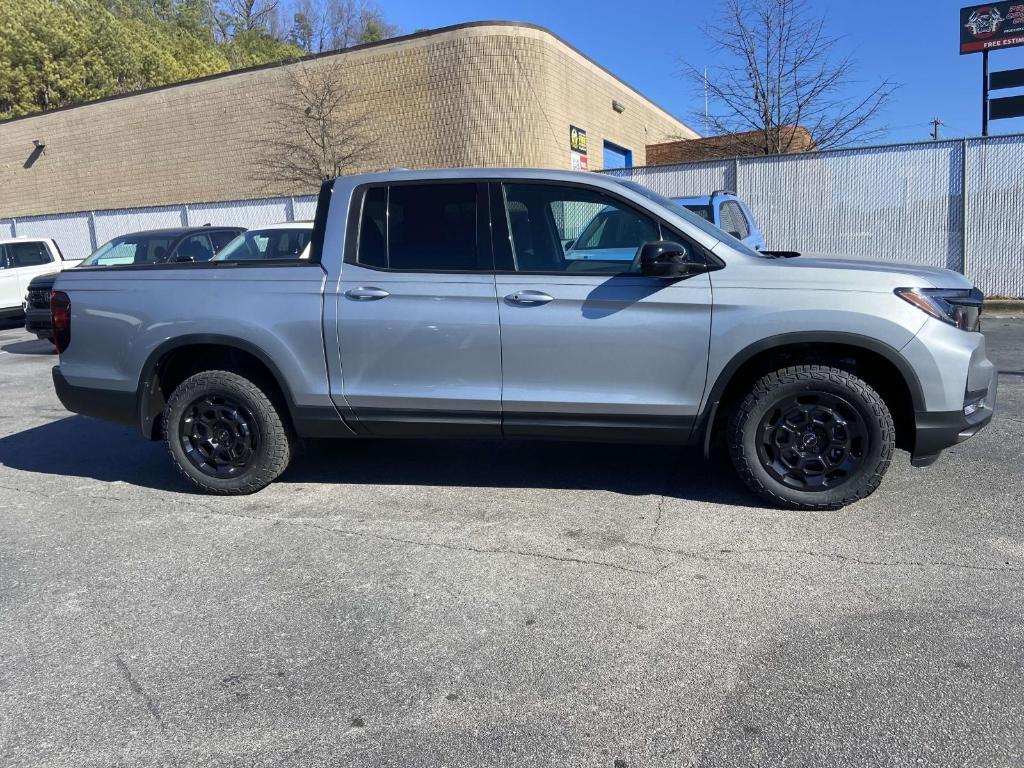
(421, 228)
(30, 254)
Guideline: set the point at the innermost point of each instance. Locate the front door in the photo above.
(589, 345)
(417, 314)
(30, 259)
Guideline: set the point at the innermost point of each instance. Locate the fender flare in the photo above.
(151, 400)
(889, 353)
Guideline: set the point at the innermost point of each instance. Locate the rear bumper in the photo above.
(936, 431)
(109, 405)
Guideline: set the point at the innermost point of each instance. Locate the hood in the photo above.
(832, 274)
(43, 281)
(915, 275)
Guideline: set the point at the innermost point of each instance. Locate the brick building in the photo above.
(479, 94)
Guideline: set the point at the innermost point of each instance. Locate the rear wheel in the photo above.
(225, 434)
(812, 437)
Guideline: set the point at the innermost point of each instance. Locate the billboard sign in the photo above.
(991, 26)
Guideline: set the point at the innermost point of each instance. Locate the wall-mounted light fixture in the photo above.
(618, 106)
(39, 143)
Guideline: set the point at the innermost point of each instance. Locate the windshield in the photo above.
(689, 216)
(269, 243)
(130, 249)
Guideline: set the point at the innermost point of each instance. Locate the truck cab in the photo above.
(727, 211)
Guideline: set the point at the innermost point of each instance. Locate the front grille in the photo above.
(39, 298)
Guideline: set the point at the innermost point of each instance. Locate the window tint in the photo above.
(421, 227)
(558, 228)
(222, 237)
(28, 254)
(732, 219)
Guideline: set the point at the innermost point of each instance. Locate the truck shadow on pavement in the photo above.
(33, 347)
(77, 446)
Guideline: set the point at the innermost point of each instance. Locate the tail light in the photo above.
(60, 314)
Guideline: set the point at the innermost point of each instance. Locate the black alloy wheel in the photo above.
(219, 436)
(812, 441)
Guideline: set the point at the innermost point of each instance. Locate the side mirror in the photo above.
(663, 258)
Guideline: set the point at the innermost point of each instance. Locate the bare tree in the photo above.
(317, 130)
(780, 70)
(320, 25)
(235, 17)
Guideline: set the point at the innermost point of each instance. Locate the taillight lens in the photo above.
(60, 314)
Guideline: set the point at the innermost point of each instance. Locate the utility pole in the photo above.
(935, 128)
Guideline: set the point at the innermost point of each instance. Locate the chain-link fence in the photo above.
(79, 234)
(955, 204)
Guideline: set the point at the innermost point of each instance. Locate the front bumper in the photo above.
(936, 431)
(39, 322)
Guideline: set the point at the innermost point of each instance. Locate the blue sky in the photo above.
(913, 42)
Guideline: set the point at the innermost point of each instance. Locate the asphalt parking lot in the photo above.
(468, 603)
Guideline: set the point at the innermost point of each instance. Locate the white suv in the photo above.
(21, 259)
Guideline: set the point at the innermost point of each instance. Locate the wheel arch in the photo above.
(880, 364)
(176, 359)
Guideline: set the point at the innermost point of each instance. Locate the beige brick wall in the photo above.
(486, 94)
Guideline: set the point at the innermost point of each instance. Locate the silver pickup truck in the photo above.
(442, 303)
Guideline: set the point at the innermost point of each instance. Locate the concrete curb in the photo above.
(1003, 308)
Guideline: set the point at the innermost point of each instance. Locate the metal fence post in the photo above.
(14, 227)
(963, 207)
(184, 215)
(92, 232)
(736, 175)
(290, 210)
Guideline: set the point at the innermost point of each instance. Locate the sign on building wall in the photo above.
(577, 148)
(991, 26)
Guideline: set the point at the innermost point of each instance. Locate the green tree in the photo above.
(54, 53)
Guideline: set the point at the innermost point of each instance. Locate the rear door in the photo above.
(417, 314)
(590, 346)
(11, 294)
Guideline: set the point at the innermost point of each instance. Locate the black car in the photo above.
(155, 246)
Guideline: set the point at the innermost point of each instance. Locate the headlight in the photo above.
(957, 306)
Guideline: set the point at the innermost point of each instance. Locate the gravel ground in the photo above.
(471, 603)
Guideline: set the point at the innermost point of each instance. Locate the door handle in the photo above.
(366, 293)
(528, 298)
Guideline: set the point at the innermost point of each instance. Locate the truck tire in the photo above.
(811, 437)
(225, 434)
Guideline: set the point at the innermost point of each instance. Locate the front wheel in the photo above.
(812, 437)
(225, 434)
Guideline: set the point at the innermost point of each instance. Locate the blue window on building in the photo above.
(616, 156)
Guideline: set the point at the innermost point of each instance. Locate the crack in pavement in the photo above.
(138, 690)
(845, 558)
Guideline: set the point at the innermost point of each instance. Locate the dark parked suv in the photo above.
(155, 246)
